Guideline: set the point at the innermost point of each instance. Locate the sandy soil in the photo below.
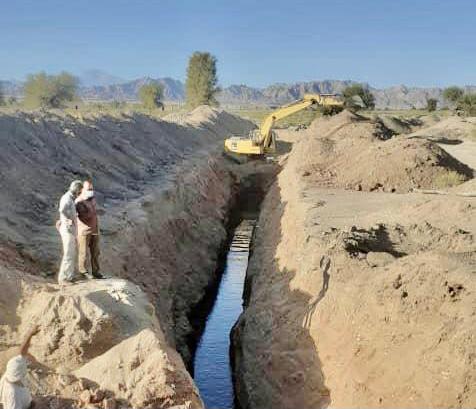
(352, 152)
(100, 338)
(452, 128)
(463, 151)
(165, 193)
(359, 299)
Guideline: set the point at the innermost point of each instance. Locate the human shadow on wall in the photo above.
(325, 265)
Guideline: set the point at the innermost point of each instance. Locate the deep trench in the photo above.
(216, 314)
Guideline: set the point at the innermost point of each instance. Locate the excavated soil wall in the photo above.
(354, 298)
(165, 195)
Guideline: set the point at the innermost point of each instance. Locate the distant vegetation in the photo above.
(2, 97)
(357, 97)
(431, 104)
(464, 104)
(151, 95)
(116, 105)
(452, 94)
(201, 86)
(50, 91)
(329, 110)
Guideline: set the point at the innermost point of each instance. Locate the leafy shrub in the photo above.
(357, 97)
(50, 91)
(329, 110)
(466, 105)
(452, 94)
(150, 95)
(431, 104)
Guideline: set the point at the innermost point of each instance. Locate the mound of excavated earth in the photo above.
(452, 128)
(352, 152)
(358, 299)
(101, 338)
(164, 194)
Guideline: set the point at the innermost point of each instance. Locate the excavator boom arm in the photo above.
(261, 140)
(307, 101)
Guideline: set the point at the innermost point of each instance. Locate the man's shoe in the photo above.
(98, 276)
(82, 276)
(72, 281)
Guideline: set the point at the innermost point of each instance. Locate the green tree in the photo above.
(452, 94)
(431, 104)
(151, 95)
(201, 86)
(466, 105)
(357, 97)
(65, 86)
(50, 91)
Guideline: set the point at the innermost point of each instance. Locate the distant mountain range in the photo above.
(398, 97)
(128, 91)
(91, 78)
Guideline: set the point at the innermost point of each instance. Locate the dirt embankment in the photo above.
(352, 152)
(359, 299)
(165, 196)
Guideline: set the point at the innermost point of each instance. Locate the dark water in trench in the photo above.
(212, 370)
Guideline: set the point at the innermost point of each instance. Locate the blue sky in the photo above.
(257, 42)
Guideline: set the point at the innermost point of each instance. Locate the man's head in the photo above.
(88, 191)
(75, 187)
(87, 185)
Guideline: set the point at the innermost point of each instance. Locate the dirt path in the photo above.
(333, 208)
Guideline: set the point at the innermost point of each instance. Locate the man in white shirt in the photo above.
(13, 392)
(67, 227)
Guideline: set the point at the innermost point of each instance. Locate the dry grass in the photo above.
(448, 179)
(107, 108)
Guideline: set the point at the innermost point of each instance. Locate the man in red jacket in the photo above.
(88, 231)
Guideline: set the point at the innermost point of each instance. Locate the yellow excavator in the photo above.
(263, 140)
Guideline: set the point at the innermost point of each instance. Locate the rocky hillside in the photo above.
(280, 93)
(397, 97)
(11, 88)
(173, 90)
(91, 78)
